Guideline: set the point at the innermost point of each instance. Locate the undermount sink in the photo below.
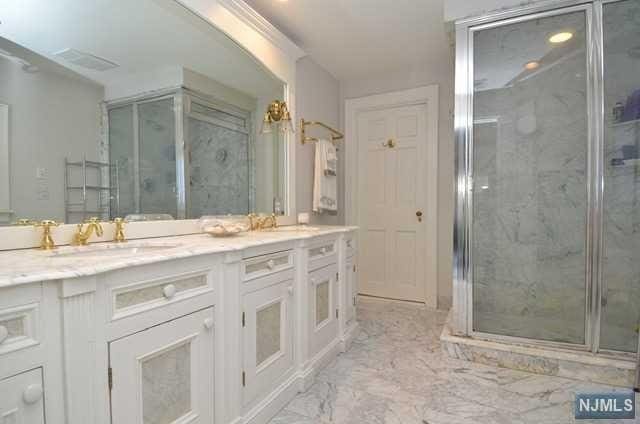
(299, 228)
(109, 251)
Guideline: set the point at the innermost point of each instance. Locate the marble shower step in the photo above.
(583, 366)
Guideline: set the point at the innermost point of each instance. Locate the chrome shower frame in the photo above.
(462, 318)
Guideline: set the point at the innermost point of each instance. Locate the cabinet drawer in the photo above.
(19, 327)
(322, 254)
(260, 266)
(139, 297)
(21, 398)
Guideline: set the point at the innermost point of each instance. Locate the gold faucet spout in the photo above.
(81, 237)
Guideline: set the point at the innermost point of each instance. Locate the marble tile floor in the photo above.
(395, 372)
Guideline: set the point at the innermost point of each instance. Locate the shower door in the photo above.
(530, 172)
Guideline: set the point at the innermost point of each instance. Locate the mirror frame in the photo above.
(271, 49)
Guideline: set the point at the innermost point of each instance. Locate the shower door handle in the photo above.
(419, 215)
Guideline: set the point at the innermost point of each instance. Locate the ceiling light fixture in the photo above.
(530, 66)
(561, 37)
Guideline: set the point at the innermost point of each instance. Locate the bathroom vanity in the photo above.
(174, 329)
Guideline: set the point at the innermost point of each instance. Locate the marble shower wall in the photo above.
(220, 167)
(529, 194)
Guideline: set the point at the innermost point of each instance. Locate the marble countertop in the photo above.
(33, 265)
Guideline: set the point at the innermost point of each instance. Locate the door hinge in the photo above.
(354, 268)
(337, 313)
(354, 301)
(110, 377)
(244, 322)
(337, 277)
(244, 379)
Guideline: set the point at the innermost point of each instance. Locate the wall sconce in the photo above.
(277, 113)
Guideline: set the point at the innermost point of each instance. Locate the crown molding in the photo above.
(252, 18)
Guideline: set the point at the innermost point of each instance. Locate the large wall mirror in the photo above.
(137, 109)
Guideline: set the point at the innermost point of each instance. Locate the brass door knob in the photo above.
(389, 143)
(419, 215)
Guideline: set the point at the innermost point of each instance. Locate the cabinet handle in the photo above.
(169, 291)
(4, 333)
(271, 264)
(32, 394)
(290, 290)
(208, 323)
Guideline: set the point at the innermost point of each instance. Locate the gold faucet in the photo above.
(119, 233)
(47, 242)
(257, 223)
(80, 238)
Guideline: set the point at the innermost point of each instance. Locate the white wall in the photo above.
(458, 9)
(51, 116)
(317, 99)
(438, 70)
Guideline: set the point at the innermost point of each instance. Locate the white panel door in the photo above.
(164, 374)
(21, 399)
(391, 206)
(268, 338)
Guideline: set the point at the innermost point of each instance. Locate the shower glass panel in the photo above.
(621, 261)
(529, 167)
(121, 157)
(219, 168)
(157, 157)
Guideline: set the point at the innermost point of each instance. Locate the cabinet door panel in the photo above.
(323, 308)
(21, 398)
(165, 374)
(268, 342)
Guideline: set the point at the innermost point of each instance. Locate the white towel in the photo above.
(325, 184)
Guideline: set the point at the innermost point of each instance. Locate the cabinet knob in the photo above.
(271, 264)
(208, 323)
(169, 291)
(4, 333)
(32, 394)
(323, 250)
(313, 281)
(290, 290)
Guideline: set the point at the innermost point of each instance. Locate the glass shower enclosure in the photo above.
(547, 229)
(181, 154)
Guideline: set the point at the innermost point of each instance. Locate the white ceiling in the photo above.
(143, 37)
(358, 38)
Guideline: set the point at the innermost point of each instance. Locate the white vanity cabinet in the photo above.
(165, 374)
(21, 398)
(225, 337)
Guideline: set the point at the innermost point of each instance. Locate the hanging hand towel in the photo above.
(325, 185)
(331, 161)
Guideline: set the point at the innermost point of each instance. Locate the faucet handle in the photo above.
(46, 223)
(119, 232)
(23, 222)
(92, 220)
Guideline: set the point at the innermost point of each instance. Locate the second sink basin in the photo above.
(109, 251)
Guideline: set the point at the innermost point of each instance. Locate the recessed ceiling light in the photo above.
(531, 65)
(561, 37)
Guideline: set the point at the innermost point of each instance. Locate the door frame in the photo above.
(425, 95)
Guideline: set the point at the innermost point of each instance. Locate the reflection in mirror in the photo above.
(150, 113)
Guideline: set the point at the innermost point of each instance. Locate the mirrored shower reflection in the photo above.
(530, 144)
(621, 265)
